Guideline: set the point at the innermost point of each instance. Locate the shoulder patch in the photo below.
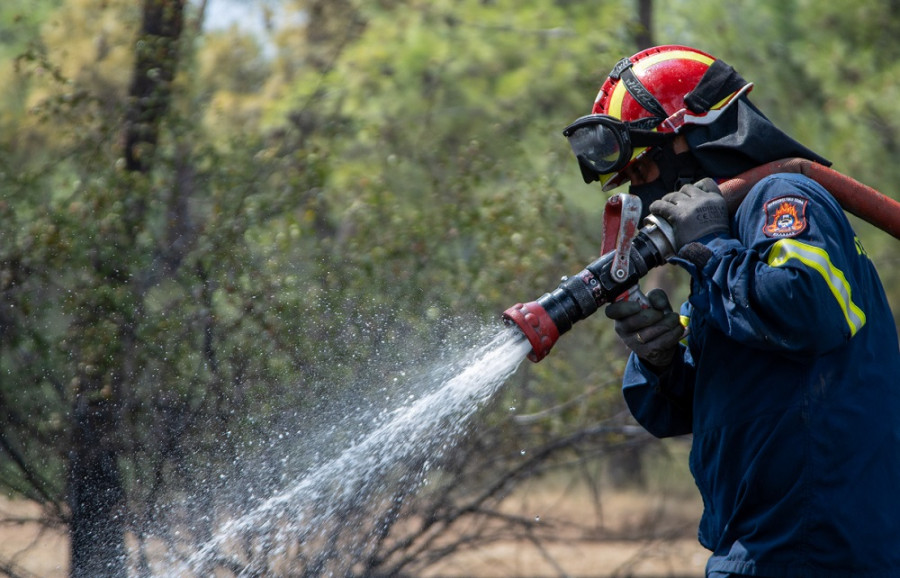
(785, 217)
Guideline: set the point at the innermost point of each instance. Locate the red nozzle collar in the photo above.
(537, 326)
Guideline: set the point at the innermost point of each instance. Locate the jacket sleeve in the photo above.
(784, 280)
(662, 404)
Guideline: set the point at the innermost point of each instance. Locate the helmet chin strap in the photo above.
(675, 171)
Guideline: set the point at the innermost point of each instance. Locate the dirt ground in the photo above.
(677, 559)
(636, 535)
(24, 549)
(660, 529)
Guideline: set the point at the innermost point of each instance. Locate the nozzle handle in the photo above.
(579, 296)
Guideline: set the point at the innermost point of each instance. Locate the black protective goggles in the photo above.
(604, 144)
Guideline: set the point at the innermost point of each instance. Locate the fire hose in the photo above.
(543, 321)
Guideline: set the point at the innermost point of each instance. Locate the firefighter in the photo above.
(784, 363)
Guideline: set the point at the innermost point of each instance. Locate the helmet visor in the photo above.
(602, 145)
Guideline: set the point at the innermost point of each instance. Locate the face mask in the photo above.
(648, 192)
(675, 171)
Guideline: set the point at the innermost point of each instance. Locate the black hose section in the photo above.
(580, 296)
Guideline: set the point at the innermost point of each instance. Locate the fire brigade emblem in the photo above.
(785, 217)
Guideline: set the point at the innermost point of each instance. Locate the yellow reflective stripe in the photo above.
(723, 102)
(816, 258)
(615, 100)
(649, 61)
(618, 94)
(686, 323)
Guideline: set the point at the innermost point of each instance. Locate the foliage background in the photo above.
(357, 187)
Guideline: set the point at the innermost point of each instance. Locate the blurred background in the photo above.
(222, 220)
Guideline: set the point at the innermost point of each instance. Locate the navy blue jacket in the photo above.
(790, 384)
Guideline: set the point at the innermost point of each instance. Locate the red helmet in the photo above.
(653, 85)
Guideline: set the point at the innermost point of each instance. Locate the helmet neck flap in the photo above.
(742, 138)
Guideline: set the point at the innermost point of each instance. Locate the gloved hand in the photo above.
(693, 212)
(651, 333)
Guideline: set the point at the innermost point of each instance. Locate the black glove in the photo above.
(693, 212)
(651, 333)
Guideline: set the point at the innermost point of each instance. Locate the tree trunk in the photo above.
(643, 35)
(97, 496)
(156, 61)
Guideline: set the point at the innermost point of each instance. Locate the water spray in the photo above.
(636, 252)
